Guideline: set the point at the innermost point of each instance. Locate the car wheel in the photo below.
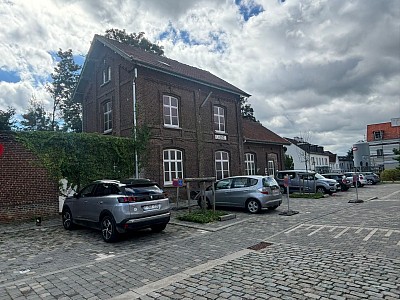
(321, 190)
(253, 206)
(359, 184)
(108, 229)
(282, 189)
(208, 203)
(67, 219)
(158, 227)
(369, 181)
(273, 207)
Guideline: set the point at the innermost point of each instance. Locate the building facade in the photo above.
(192, 116)
(382, 139)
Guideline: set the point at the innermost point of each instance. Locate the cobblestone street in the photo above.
(332, 249)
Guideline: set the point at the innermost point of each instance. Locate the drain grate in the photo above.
(259, 246)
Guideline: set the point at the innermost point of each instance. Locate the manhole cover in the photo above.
(260, 246)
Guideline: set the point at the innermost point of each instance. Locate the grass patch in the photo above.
(308, 196)
(201, 216)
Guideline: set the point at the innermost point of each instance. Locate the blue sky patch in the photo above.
(249, 9)
(9, 76)
(178, 35)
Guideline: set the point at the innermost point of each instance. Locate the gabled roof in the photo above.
(165, 65)
(254, 132)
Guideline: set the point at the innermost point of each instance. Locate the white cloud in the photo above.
(329, 67)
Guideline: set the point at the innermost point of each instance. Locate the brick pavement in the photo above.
(330, 250)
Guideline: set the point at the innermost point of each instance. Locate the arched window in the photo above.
(221, 164)
(250, 165)
(173, 165)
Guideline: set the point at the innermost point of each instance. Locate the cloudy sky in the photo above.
(322, 69)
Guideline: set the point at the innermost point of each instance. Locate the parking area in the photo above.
(332, 249)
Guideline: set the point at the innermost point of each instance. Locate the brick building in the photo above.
(26, 189)
(263, 149)
(193, 116)
(382, 139)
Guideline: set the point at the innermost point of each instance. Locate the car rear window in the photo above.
(269, 181)
(142, 189)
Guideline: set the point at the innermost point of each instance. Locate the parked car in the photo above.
(343, 181)
(372, 178)
(361, 178)
(115, 207)
(307, 181)
(251, 192)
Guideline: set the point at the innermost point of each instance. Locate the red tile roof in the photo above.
(256, 132)
(167, 65)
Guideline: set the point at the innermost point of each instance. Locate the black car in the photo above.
(345, 184)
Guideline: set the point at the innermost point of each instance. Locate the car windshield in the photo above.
(319, 176)
(269, 181)
(146, 189)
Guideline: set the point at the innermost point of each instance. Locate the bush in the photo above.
(390, 175)
(202, 216)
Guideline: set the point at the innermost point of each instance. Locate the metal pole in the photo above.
(134, 123)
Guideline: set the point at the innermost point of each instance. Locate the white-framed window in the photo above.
(219, 119)
(221, 164)
(173, 165)
(106, 74)
(271, 168)
(171, 112)
(107, 108)
(250, 165)
(379, 152)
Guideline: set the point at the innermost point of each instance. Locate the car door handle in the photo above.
(101, 202)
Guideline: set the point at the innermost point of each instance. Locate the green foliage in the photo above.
(200, 216)
(308, 196)
(65, 78)
(350, 154)
(390, 175)
(133, 39)
(36, 117)
(397, 152)
(6, 119)
(81, 157)
(289, 165)
(246, 110)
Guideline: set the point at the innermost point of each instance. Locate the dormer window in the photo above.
(378, 135)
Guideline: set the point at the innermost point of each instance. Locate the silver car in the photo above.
(115, 207)
(251, 192)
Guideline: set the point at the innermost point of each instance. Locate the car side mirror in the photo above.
(76, 195)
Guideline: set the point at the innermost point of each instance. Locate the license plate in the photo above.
(275, 192)
(151, 207)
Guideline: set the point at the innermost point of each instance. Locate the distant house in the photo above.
(193, 116)
(334, 164)
(346, 164)
(382, 139)
(263, 149)
(307, 156)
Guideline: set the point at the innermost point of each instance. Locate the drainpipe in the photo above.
(135, 123)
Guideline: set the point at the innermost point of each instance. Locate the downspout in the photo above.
(135, 123)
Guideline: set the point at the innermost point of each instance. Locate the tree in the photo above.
(397, 152)
(6, 118)
(289, 165)
(350, 155)
(36, 118)
(65, 78)
(246, 110)
(134, 39)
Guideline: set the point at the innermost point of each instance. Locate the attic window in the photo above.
(164, 63)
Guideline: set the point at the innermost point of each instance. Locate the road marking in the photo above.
(315, 231)
(398, 244)
(390, 195)
(389, 233)
(309, 227)
(340, 233)
(359, 230)
(332, 229)
(370, 234)
(293, 229)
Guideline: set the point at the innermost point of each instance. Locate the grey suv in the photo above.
(251, 192)
(307, 181)
(115, 207)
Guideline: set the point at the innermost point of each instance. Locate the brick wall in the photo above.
(26, 190)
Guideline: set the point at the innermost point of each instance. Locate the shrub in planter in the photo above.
(390, 175)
